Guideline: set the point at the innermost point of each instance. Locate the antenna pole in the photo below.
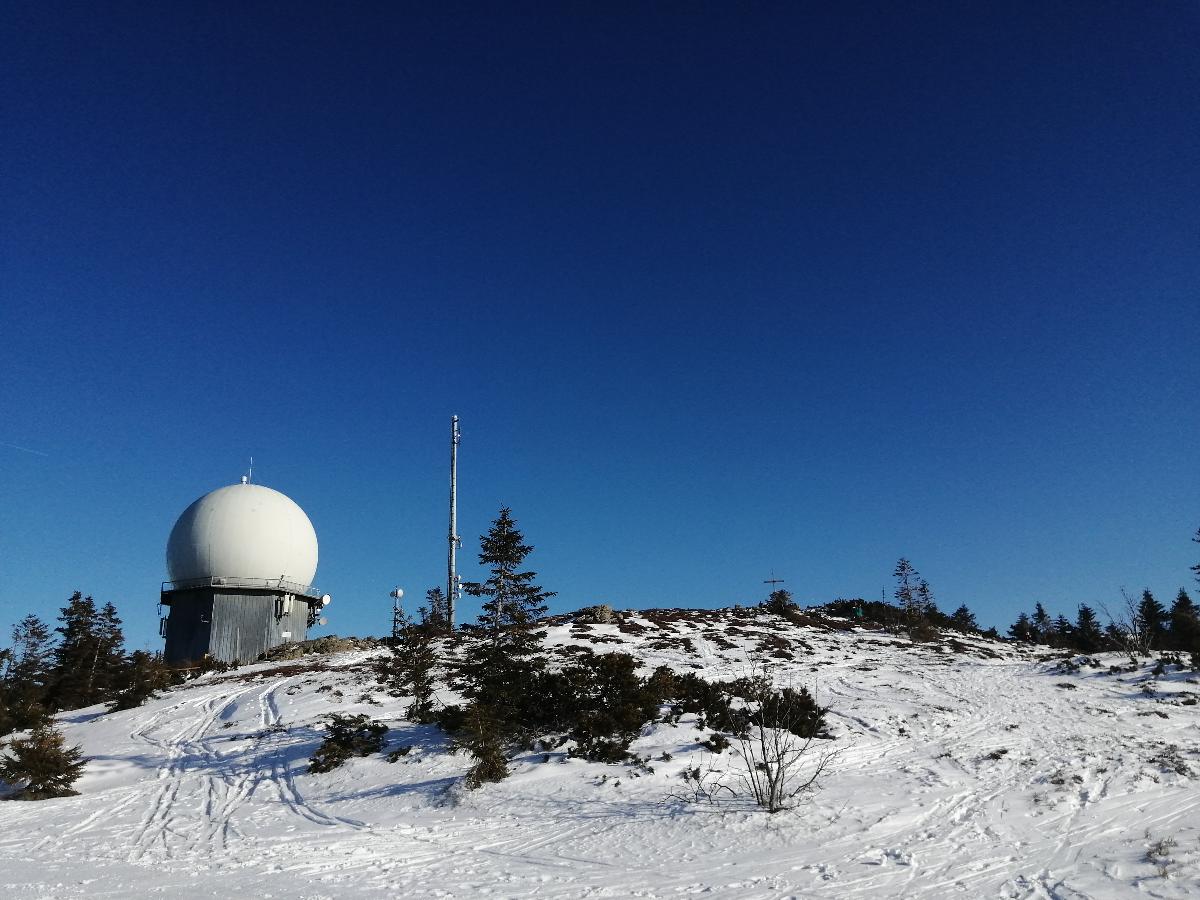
(451, 575)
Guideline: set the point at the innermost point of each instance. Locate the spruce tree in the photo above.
(408, 669)
(27, 676)
(143, 677)
(780, 602)
(76, 653)
(89, 658)
(1022, 630)
(906, 586)
(501, 678)
(43, 764)
(1116, 636)
(926, 607)
(1152, 620)
(962, 619)
(436, 613)
(109, 664)
(1089, 637)
(1185, 623)
(513, 602)
(1064, 632)
(1043, 627)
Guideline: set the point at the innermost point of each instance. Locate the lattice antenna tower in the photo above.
(397, 614)
(453, 583)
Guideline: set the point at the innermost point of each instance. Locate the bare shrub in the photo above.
(1159, 855)
(777, 761)
(701, 783)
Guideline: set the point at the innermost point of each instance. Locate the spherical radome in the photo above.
(243, 531)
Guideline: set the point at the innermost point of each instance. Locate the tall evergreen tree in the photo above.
(436, 612)
(963, 619)
(780, 602)
(1063, 632)
(1089, 637)
(1023, 630)
(1185, 623)
(1152, 620)
(907, 579)
(408, 669)
(513, 602)
(501, 678)
(1116, 636)
(143, 677)
(89, 657)
(925, 604)
(27, 676)
(109, 665)
(1043, 627)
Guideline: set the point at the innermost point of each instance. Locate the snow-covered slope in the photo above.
(966, 769)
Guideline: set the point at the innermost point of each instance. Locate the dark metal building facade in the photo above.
(234, 620)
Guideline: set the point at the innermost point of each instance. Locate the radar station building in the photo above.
(241, 561)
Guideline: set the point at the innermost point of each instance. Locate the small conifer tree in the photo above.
(27, 676)
(906, 586)
(1089, 637)
(1022, 630)
(1063, 632)
(780, 602)
(347, 736)
(962, 619)
(42, 764)
(144, 676)
(1152, 619)
(1185, 623)
(436, 613)
(513, 603)
(483, 736)
(408, 670)
(89, 655)
(1043, 626)
(502, 676)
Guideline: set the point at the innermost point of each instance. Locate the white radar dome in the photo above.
(243, 531)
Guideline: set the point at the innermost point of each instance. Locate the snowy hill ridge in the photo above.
(967, 768)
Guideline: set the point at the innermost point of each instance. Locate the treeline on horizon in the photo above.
(1139, 628)
(87, 663)
(80, 663)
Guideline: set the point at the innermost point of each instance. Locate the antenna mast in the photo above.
(455, 540)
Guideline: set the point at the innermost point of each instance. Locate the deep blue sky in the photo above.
(717, 289)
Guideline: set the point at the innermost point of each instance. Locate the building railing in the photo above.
(267, 584)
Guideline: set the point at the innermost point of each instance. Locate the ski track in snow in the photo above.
(956, 775)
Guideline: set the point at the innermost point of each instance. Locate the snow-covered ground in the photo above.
(966, 769)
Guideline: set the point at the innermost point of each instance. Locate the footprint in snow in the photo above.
(877, 856)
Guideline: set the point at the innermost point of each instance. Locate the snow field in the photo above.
(965, 768)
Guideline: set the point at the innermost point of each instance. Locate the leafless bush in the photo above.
(702, 783)
(778, 762)
(1159, 854)
(1128, 632)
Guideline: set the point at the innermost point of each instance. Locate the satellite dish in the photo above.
(326, 600)
(322, 621)
(397, 593)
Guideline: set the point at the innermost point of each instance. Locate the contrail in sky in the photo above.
(19, 447)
